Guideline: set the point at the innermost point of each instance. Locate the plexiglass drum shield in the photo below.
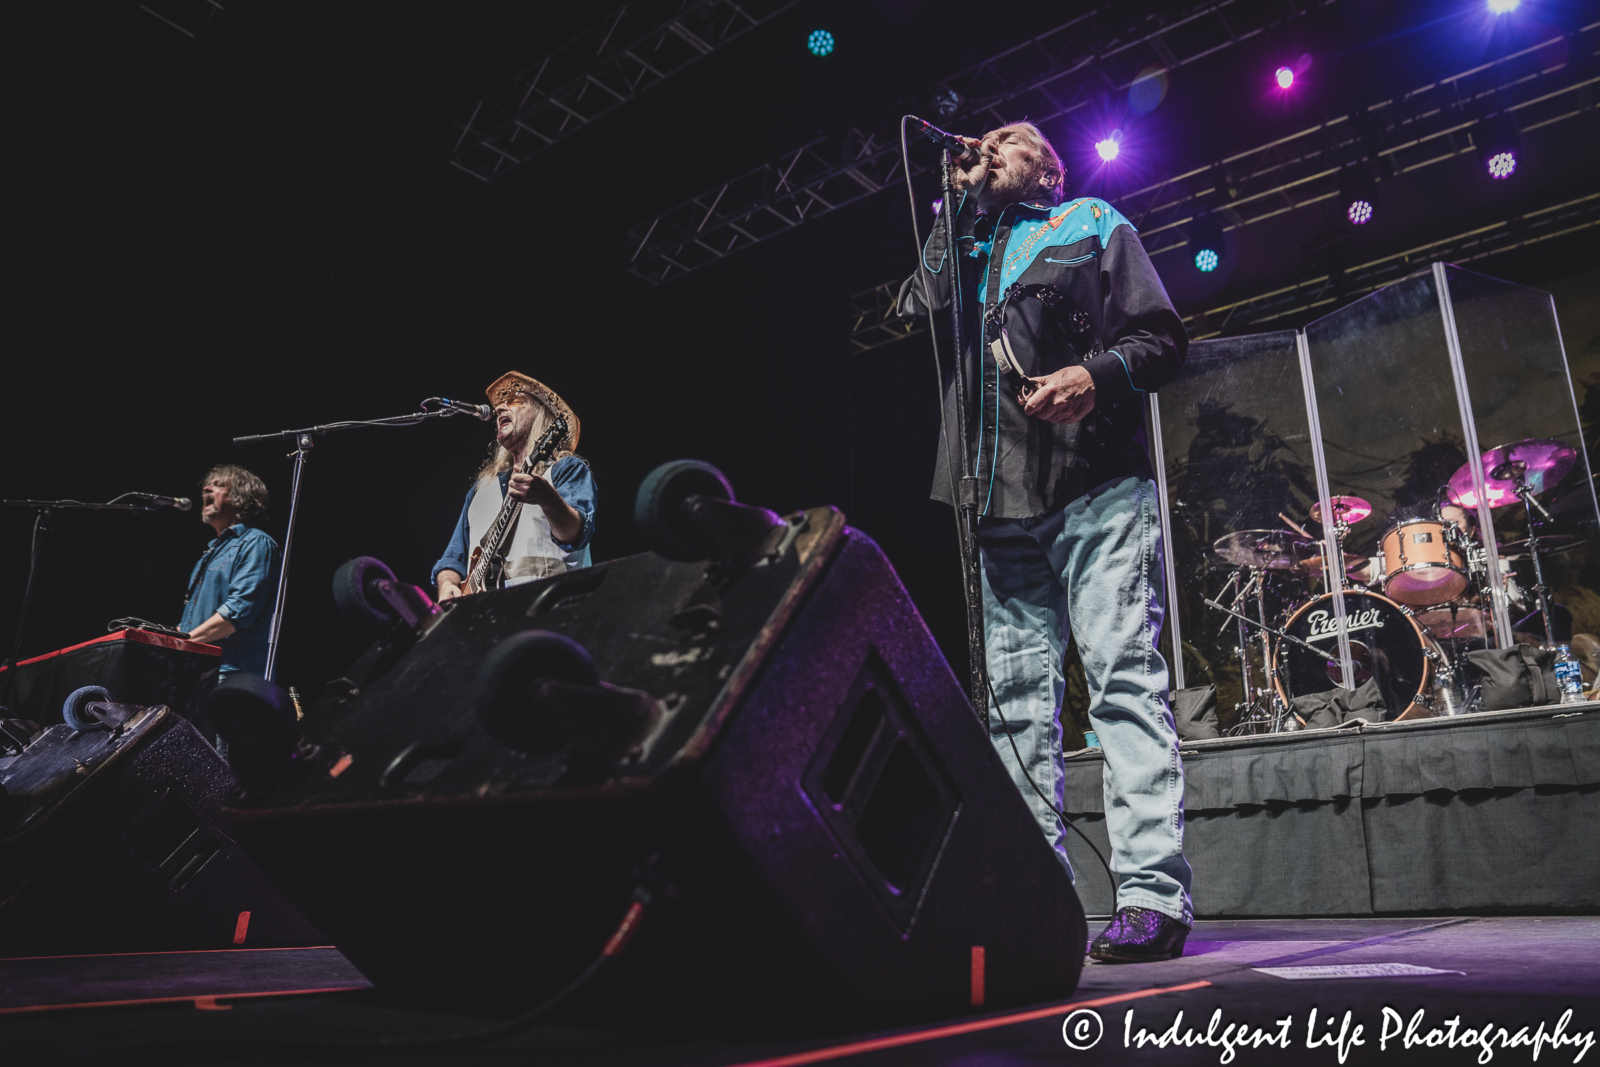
(1425, 441)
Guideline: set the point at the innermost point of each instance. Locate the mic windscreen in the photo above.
(183, 503)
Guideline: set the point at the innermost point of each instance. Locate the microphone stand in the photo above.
(967, 485)
(41, 526)
(303, 440)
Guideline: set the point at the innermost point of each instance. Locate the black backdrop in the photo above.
(258, 230)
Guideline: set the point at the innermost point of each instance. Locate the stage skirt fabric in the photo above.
(1482, 813)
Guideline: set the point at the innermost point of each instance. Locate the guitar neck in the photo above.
(493, 544)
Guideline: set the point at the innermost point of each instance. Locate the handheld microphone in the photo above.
(479, 411)
(963, 152)
(182, 503)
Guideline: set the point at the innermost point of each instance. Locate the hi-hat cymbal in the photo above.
(1352, 509)
(1277, 549)
(1541, 462)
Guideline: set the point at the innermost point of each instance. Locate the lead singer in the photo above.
(1069, 533)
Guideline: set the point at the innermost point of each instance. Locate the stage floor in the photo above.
(241, 1006)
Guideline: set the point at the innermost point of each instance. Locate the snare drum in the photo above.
(1456, 627)
(1421, 565)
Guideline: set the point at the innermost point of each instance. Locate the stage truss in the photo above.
(1047, 77)
(640, 45)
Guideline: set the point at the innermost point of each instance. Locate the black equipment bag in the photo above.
(1336, 706)
(1522, 676)
(1194, 711)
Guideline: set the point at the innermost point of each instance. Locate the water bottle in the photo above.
(1569, 675)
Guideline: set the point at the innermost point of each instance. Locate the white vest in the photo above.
(531, 552)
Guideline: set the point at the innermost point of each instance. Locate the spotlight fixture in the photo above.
(1109, 147)
(1358, 194)
(1285, 77)
(1206, 243)
(820, 42)
(1498, 145)
(1501, 7)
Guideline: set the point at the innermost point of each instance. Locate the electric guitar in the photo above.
(487, 569)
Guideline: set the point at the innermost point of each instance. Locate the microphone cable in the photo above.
(926, 286)
(944, 437)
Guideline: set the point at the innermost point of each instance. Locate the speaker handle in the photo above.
(539, 691)
(740, 535)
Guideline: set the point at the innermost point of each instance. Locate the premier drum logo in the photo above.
(1325, 625)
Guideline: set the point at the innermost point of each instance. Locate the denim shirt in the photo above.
(237, 578)
(572, 479)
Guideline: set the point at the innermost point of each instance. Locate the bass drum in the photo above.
(1385, 642)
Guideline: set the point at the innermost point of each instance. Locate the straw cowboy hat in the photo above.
(513, 383)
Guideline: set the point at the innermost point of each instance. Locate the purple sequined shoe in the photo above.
(1139, 935)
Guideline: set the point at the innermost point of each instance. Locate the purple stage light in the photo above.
(1109, 147)
(1498, 144)
(1285, 77)
(1358, 192)
(1501, 7)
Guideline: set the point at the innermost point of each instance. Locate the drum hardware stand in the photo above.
(41, 526)
(1247, 711)
(303, 441)
(1515, 471)
(1456, 699)
(1278, 713)
(1340, 529)
(1453, 694)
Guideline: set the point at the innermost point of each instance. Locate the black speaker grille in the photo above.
(881, 791)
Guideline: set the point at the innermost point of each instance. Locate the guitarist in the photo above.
(551, 536)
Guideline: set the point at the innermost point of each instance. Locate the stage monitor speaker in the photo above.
(771, 753)
(112, 840)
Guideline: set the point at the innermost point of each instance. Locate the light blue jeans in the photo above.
(1093, 569)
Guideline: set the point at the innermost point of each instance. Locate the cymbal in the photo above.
(1277, 549)
(1352, 509)
(1311, 566)
(1541, 462)
(1549, 545)
(1573, 502)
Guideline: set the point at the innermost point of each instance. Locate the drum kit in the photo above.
(1411, 613)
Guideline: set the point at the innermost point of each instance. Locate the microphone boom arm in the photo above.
(303, 440)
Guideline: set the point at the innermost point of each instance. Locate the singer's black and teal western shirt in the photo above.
(1110, 314)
